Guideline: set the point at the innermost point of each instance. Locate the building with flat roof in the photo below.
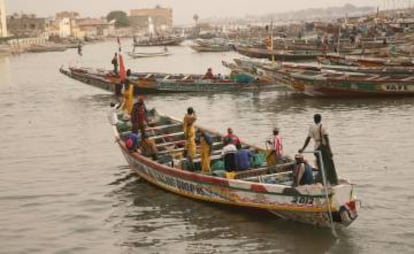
(26, 25)
(162, 18)
(3, 19)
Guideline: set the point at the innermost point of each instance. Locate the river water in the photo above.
(66, 188)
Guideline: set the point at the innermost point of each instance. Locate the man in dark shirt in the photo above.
(242, 158)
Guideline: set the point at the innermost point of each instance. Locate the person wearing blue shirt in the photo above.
(242, 158)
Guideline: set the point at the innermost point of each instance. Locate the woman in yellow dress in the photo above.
(189, 133)
(128, 98)
(206, 146)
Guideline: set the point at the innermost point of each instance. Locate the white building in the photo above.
(65, 28)
(3, 25)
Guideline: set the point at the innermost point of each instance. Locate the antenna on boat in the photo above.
(331, 222)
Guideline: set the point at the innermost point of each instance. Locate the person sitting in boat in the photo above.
(139, 117)
(242, 157)
(229, 155)
(233, 138)
(189, 133)
(206, 146)
(132, 141)
(148, 147)
(302, 171)
(209, 74)
(277, 148)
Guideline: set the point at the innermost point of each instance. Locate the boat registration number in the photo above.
(303, 200)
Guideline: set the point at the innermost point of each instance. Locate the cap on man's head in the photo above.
(229, 130)
(299, 156)
(276, 129)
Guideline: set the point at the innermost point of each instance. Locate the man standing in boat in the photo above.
(115, 63)
(232, 137)
(320, 135)
(139, 116)
(189, 133)
(277, 148)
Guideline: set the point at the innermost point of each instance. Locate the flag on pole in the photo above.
(119, 43)
(122, 74)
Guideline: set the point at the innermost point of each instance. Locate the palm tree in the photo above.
(195, 17)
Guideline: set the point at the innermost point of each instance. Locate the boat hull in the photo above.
(249, 189)
(351, 88)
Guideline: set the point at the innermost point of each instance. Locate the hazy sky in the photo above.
(183, 10)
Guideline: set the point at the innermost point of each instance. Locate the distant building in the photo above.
(67, 14)
(92, 28)
(162, 18)
(27, 25)
(63, 25)
(3, 19)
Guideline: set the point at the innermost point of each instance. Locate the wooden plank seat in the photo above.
(264, 170)
(167, 135)
(161, 127)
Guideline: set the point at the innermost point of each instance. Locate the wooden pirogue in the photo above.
(151, 82)
(264, 187)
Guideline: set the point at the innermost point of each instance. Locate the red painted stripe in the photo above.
(258, 188)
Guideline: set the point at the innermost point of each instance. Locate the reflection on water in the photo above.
(156, 218)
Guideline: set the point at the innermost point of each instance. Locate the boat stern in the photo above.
(346, 204)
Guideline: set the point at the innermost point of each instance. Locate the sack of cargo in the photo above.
(257, 160)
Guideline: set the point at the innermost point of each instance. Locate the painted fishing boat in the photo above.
(46, 48)
(316, 83)
(152, 82)
(103, 79)
(211, 48)
(143, 82)
(279, 55)
(365, 61)
(148, 54)
(198, 83)
(262, 186)
(158, 41)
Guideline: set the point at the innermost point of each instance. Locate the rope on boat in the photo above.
(331, 222)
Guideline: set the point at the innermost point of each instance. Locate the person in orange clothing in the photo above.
(206, 146)
(189, 133)
(128, 95)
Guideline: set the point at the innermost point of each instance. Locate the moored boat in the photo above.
(316, 83)
(211, 48)
(46, 48)
(148, 54)
(262, 186)
(165, 41)
(365, 61)
(151, 82)
(279, 55)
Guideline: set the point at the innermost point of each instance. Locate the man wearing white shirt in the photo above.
(319, 134)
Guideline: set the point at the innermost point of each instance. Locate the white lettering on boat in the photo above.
(395, 87)
(303, 200)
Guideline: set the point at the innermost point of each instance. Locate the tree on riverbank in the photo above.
(120, 17)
